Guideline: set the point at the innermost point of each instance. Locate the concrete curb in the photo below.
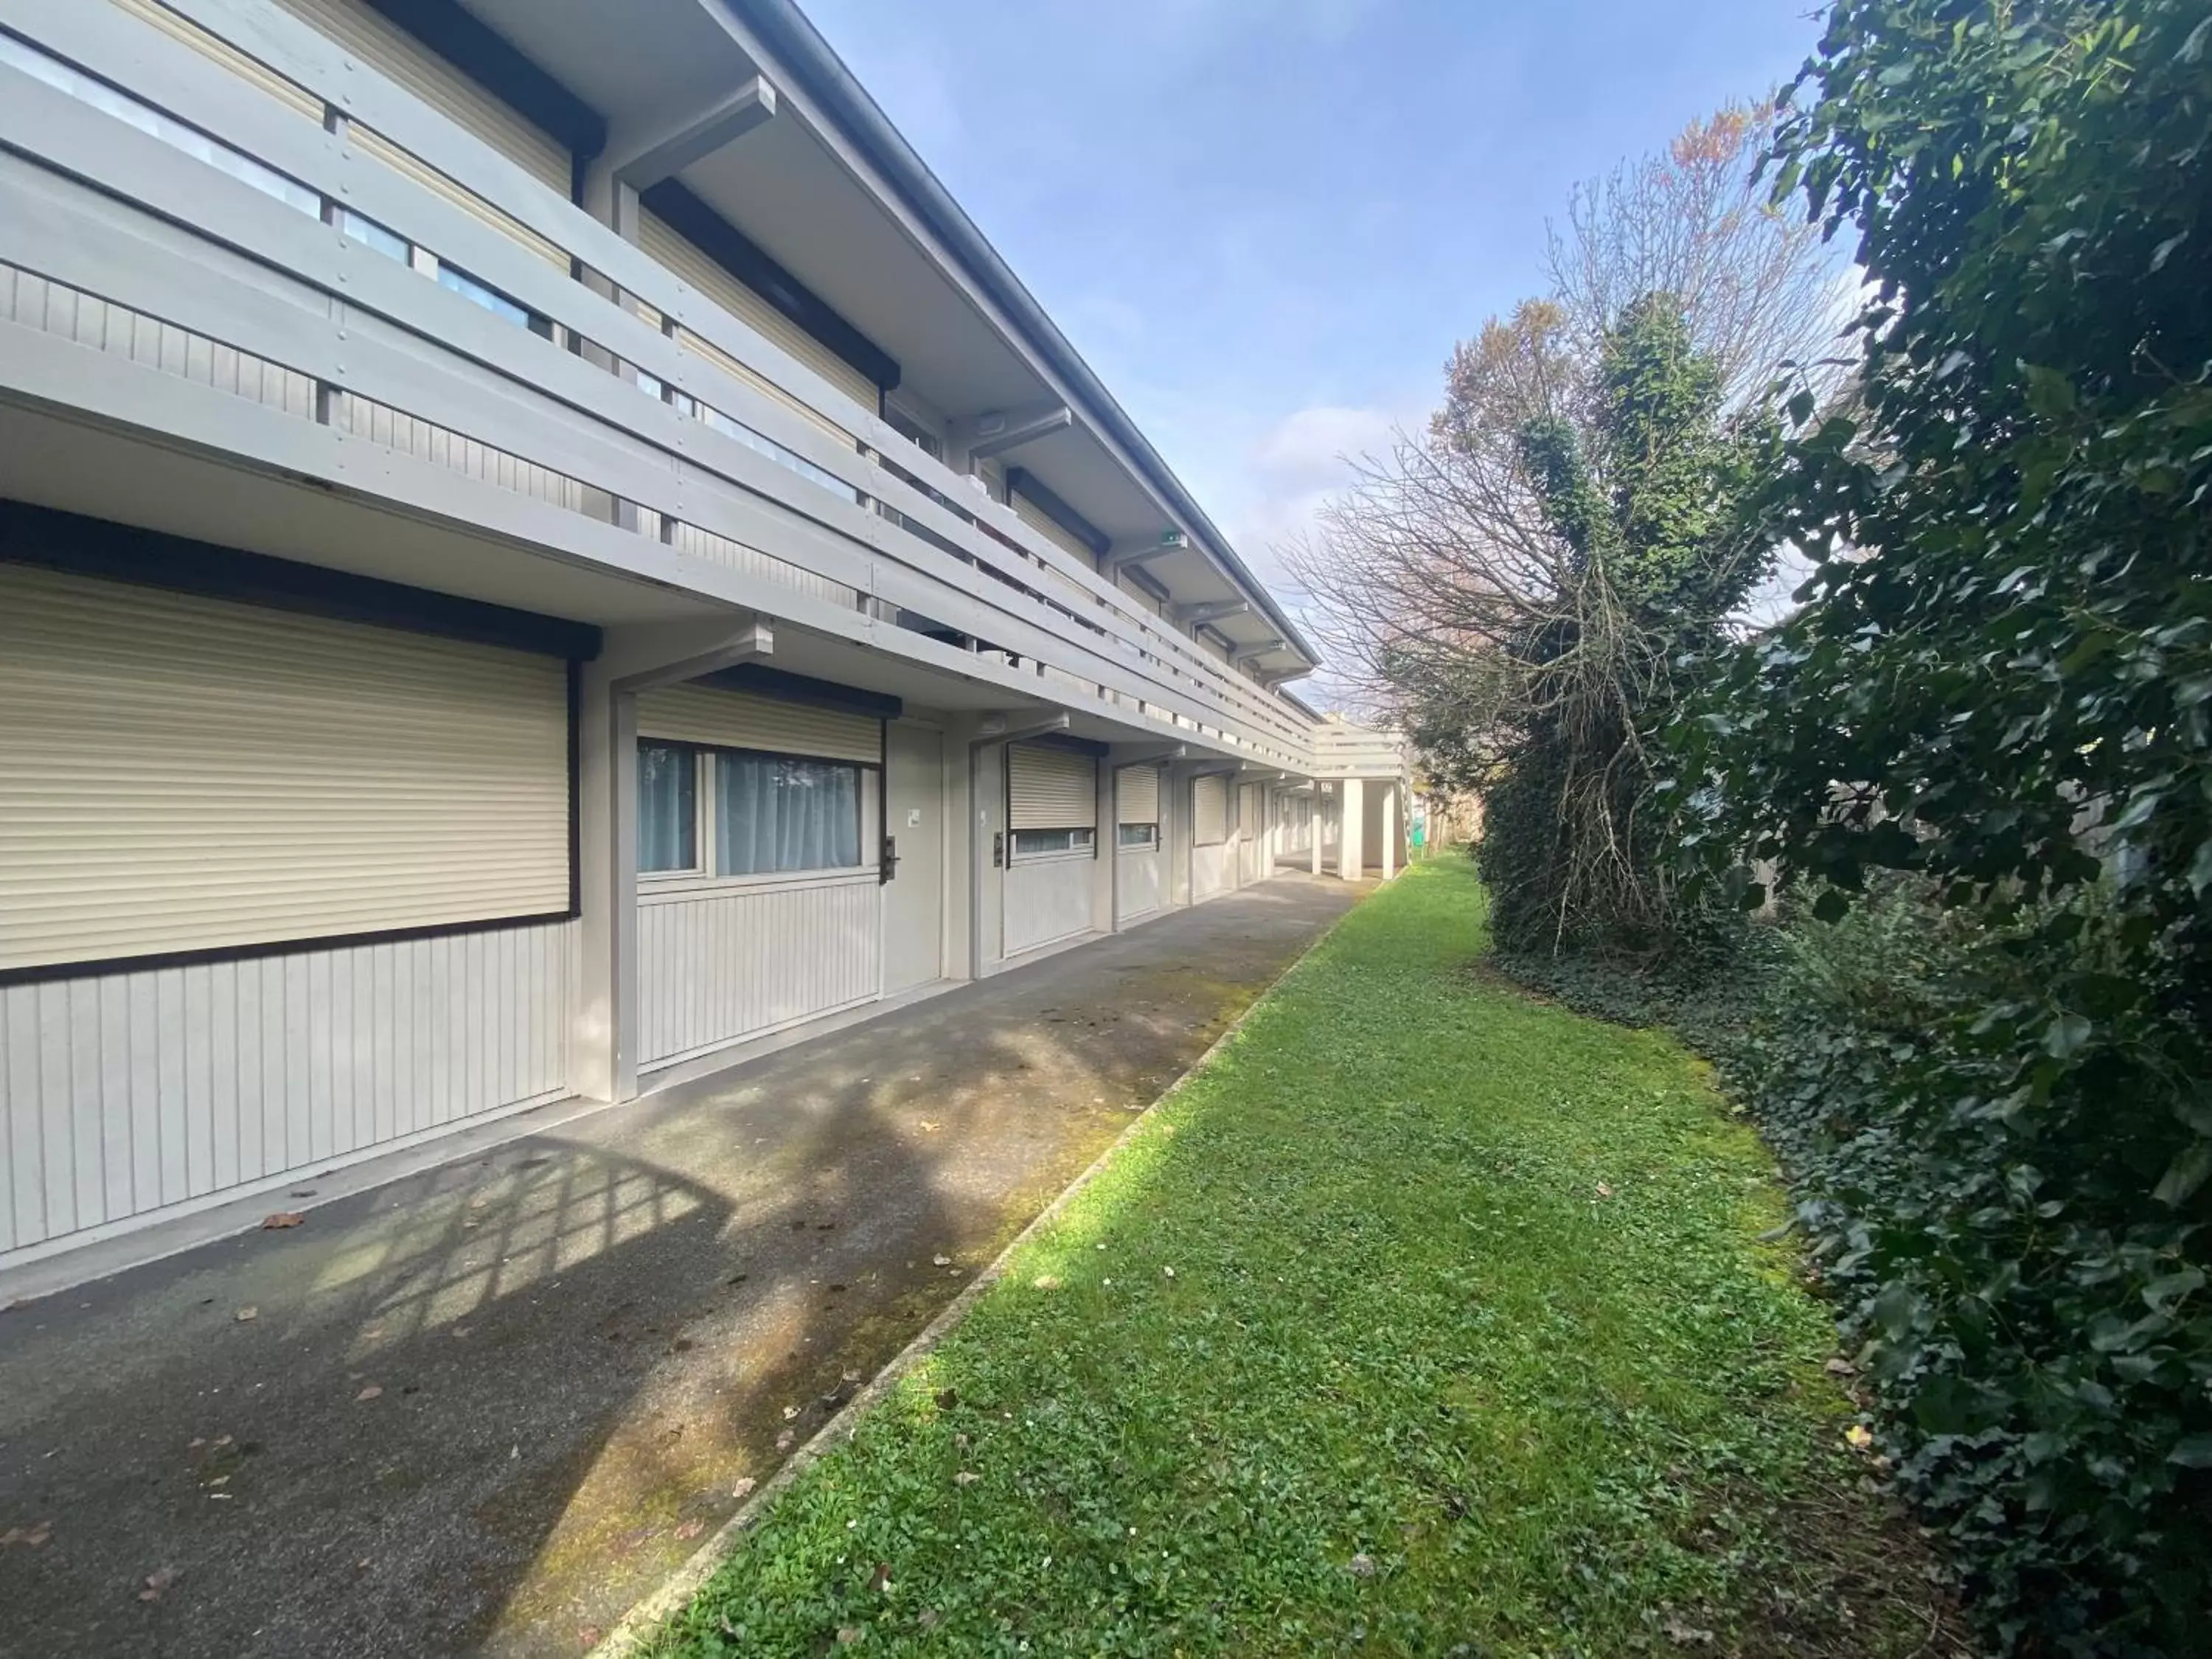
(645, 1618)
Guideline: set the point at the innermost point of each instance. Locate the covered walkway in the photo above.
(486, 1406)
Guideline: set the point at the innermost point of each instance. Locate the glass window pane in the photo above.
(372, 234)
(1138, 835)
(777, 815)
(490, 299)
(667, 810)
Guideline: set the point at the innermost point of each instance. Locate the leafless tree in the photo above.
(1438, 566)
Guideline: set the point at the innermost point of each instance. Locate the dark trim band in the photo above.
(746, 260)
(1020, 481)
(781, 684)
(151, 558)
(494, 64)
(282, 947)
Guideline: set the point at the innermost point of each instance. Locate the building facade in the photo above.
(538, 549)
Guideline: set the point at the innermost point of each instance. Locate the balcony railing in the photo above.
(176, 216)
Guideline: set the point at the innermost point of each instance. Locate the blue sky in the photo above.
(1266, 222)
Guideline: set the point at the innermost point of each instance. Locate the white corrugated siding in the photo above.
(690, 262)
(386, 47)
(1140, 795)
(737, 720)
(182, 774)
(128, 1094)
(1053, 531)
(1050, 788)
(57, 308)
(715, 967)
(1209, 808)
(246, 69)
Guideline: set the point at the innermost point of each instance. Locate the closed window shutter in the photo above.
(187, 774)
(389, 49)
(246, 69)
(1139, 794)
(738, 720)
(688, 261)
(1050, 788)
(1209, 799)
(1053, 531)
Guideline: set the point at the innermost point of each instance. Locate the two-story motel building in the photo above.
(539, 549)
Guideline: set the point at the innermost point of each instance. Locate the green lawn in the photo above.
(1426, 1315)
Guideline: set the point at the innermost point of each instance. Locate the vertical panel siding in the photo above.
(1142, 885)
(1046, 900)
(716, 966)
(124, 1094)
(56, 308)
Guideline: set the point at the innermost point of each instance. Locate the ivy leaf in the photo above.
(2185, 1174)
(2065, 1035)
(2192, 1451)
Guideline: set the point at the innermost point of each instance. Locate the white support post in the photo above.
(1389, 831)
(632, 657)
(1351, 856)
(1314, 825)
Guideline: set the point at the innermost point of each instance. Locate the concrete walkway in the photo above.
(488, 1407)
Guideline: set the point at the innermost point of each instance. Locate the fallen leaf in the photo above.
(852, 1376)
(1047, 1281)
(790, 1412)
(281, 1218)
(156, 1582)
(929, 1618)
(369, 1393)
(1170, 1272)
(221, 1441)
(1686, 1636)
(461, 1331)
(947, 1399)
(784, 1441)
(1840, 1367)
(942, 1261)
(31, 1537)
(880, 1580)
(588, 1635)
(245, 1314)
(848, 1634)
(929, 1128)
(218, 1480)
(690, 1529)
(1604, 1189)
(1361, 1565)
(966, 1478)
(744, 1486)
(1858, 1437)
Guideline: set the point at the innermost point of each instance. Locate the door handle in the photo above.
(999, 851)
(887, 864)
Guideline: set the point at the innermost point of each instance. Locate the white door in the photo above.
(913, 821)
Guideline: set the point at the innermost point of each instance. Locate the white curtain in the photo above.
(780, 815)
(667, 820)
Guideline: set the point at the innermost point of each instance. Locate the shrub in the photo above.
(2038, 1335)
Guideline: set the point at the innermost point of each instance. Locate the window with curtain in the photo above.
(774, 814)
(667, 808)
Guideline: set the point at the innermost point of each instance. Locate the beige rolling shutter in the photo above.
(1050, 788)
(386, 47)
(737, 720)
(1053, 531)
(1140, 795)
(185, 774)
(1209, 808)
(690, 262)
(246, 69)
